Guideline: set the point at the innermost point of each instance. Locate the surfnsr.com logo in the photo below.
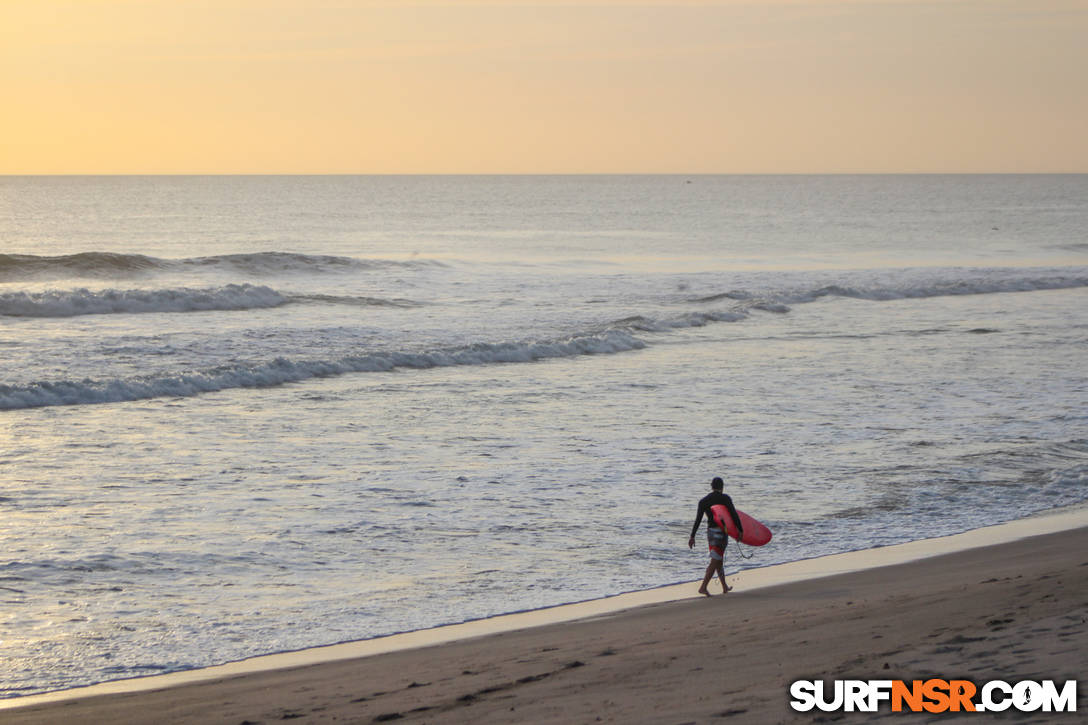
(934, 696)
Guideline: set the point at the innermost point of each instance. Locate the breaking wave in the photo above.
(71, 303)
(85, 302)
(107, 265)
(282, 370)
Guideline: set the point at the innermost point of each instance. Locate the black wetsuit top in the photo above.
(713, 499)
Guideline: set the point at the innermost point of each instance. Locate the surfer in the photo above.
(715, 533)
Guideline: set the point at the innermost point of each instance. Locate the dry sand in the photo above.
(1012, 611)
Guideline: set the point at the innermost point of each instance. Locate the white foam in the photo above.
(282, 370)
(70, 303)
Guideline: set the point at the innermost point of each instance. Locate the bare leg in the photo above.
(706, 579)
(721, 576)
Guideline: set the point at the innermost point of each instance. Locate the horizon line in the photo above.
(544, 173)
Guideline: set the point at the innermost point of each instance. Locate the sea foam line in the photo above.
(615, 338)
(71, 303)
(282, 370)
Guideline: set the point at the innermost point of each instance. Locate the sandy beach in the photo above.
(1013, 611)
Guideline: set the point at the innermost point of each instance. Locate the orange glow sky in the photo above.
(454, 86)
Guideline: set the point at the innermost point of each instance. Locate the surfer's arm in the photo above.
(698, 519)
(736, 518)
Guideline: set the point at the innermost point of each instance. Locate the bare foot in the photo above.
(726, 588)
(702, 590)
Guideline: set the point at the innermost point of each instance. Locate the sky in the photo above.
(511, 86)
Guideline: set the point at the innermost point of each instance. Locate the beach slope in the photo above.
(1011, 611)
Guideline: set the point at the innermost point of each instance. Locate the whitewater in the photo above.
(243, 415)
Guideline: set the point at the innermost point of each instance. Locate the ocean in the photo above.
(243, 415)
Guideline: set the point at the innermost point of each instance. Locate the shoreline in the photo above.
(749, 581)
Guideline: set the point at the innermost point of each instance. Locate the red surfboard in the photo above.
(755, 533)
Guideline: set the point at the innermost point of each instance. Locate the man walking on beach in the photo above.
(715, 532)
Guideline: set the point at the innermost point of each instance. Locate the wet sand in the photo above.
(1010, 611)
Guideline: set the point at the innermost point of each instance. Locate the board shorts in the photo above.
(715, 538)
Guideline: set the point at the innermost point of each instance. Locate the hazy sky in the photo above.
(453, 86)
